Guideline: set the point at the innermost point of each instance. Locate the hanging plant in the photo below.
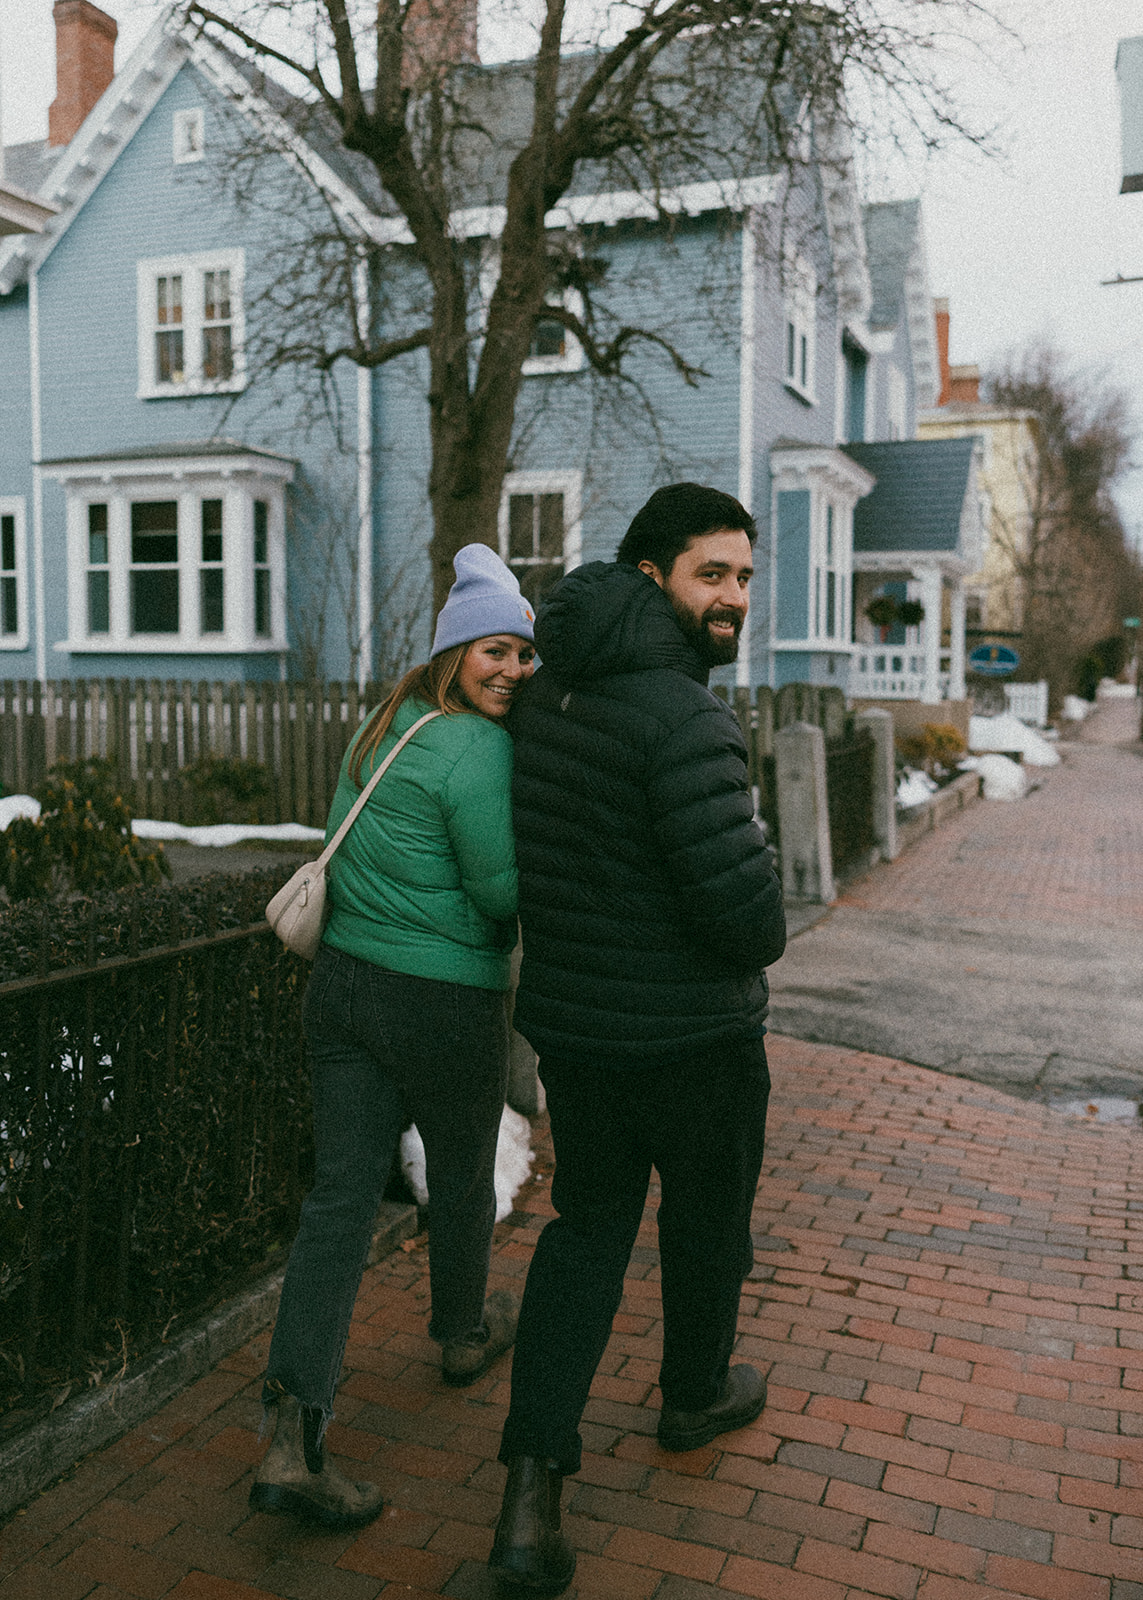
(882, 611)
(911, 613)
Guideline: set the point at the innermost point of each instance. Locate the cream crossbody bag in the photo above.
(298, 912)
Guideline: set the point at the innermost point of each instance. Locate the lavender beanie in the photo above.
(485, 599)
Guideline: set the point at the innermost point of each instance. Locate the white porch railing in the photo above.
(1028, 701)
(885, 673)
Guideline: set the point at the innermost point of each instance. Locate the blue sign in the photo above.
(993, 660)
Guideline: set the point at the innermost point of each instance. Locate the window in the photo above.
(830, 584)
(539, 528)
(190, 324)
(553, 348)
(13, 605)
(184, 555)
(800, 354)
(187, 135)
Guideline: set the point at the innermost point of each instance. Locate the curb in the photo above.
(32, 1460)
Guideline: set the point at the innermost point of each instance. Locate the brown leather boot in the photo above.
(298, 1479)
(462, 1362)
(529, 1550)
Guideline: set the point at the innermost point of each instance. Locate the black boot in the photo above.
(529, 1550)
(742, 1399)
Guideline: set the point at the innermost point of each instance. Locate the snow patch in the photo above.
(1110, 690)
(17, 805)
(513, 1161)
(1002, 779)
(1076, 707)
(1007, 732)
(914, 788)
(222, 834)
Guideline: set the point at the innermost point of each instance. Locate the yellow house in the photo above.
(1008, 481)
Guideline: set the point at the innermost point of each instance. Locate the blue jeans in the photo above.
(386, 1047)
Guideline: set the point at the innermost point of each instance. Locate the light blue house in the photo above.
(171, 510)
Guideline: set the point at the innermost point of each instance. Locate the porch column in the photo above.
(931, 634)
(956, 640)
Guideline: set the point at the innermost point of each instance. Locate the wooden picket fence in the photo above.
(151, 729)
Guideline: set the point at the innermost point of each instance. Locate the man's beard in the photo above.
(713, 652)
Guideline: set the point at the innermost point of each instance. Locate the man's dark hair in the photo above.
(673, 516)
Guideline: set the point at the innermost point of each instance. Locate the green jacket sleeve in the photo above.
(477, 805)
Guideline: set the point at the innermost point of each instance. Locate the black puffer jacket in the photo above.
(648, 899)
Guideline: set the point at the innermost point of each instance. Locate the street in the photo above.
(1007, 946)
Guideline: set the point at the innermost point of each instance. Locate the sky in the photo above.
(1019, 242)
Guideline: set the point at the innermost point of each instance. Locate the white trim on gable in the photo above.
(844, 223)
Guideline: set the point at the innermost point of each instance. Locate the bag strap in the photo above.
(355, 810)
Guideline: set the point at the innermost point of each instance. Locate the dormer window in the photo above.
(190, 324)
(187, 135)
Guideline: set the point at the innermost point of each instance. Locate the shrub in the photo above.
(882, 611)
(936, 749)
(911, 613)
(227, 789)
(81, 841)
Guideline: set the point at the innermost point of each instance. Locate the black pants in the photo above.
(701, 1123)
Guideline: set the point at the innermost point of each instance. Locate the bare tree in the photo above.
(667, 90)
(1077, 574)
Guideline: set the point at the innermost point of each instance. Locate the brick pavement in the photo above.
(1070, 852)
(948, 1301)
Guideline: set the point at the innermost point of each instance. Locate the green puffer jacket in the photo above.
(425, 880)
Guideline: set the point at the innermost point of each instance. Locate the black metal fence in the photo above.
(154, 1121)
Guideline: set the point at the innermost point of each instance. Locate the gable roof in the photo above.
(920, 498)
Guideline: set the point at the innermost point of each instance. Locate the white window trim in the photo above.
(570, 485)
(896, 403)
(800, 310)
(190, 267)
(187, 136)
(238, 482)
(14, 506)
(831, 477)
(821, 502)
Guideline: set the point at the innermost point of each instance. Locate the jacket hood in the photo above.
(606, 618)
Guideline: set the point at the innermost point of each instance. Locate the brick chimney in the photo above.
(438, 34)
(85, 65)
(941, 314)
(964, 385)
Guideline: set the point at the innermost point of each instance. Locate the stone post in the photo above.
(880, 725)
(803, 819)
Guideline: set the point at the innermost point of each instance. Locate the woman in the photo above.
(405, 1018)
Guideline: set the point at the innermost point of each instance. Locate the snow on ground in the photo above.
(513, 1161)
(1110, 690)
(1007, 732)
(1076, 707)
(914, 788)
(224, 833)
(1003, 779)
(17, 805)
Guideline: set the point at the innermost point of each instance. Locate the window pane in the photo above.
(791, 344)
(154, 532)
(210, 600)
(831, 604)
(803, 365)
(551, 540)
(97, 535)
(9, 615)
(170, 300)
(155, 602)
(521, 511)
(7, 544)
(217, 356)
(99, 602)
(261, 532)
(169, 357)
(212, 530)
(829, 534)
(262, 602)
(216, 296)
(548, 339)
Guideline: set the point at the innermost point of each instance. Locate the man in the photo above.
(649, 907)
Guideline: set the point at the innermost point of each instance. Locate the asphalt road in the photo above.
(1007, 947)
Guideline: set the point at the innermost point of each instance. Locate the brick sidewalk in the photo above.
(1070, 852)
(948, 1300)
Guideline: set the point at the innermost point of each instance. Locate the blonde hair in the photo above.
(434, 682)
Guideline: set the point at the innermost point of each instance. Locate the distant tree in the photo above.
(1077, 573)
(658, 91)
